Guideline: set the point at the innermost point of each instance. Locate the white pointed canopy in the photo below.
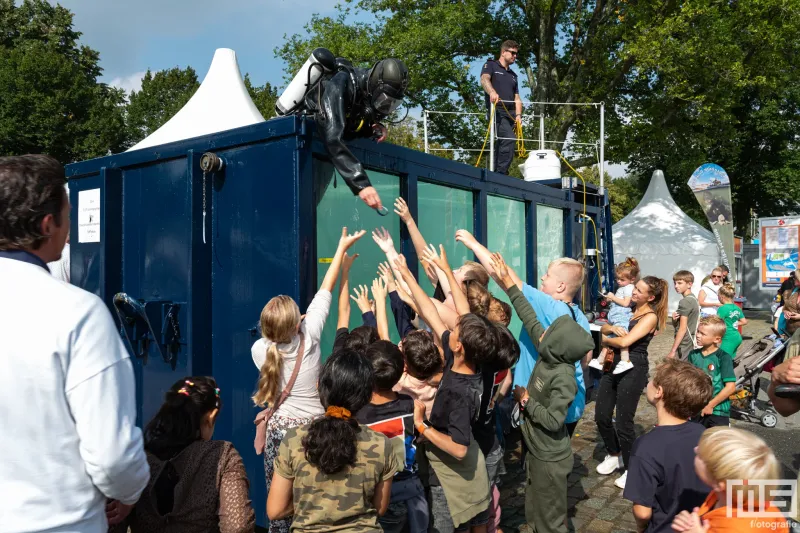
(221, 103)
(664, 239)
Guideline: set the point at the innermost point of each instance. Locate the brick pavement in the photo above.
(595, 503)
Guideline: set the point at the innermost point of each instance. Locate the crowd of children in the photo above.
(403, 437)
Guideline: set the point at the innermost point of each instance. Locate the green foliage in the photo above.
(162, 95)
(624, 194)
(263, 97)
(683, 82)
(50, 100)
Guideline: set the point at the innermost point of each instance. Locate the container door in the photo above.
(153, 304)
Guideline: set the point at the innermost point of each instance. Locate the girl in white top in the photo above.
(709, 294)
(275, 354)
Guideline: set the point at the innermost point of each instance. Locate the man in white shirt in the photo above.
(60, 268)
(67, 392)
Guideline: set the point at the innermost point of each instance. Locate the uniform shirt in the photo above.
(718, 366)
(340, 501)
(67, 406)
(547, 310)
(661, 474)
(395, 419)
(504, 81)
(690, 308)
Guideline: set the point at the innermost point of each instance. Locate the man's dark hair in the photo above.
(31, 187)
(478, 336)
(360, 338)
(421, 355)
(507, 352)
(387, 364)
(687, 389)
(508, 45)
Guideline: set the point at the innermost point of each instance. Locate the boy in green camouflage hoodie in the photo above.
(543, 408)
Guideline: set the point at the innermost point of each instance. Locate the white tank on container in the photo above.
(541, 165)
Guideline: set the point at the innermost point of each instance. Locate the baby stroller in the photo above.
(748, 365)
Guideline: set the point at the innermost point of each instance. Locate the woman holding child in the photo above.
(622, 391)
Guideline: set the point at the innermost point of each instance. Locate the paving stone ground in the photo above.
(595, 503)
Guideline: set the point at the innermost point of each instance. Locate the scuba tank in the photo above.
(320, 62)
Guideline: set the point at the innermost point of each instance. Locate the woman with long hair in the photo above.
(622, 391)
(287, 342)
(334, 472)
(197, 485)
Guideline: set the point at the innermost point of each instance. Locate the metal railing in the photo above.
(542, 141)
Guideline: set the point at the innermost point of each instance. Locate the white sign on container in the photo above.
(89, 215)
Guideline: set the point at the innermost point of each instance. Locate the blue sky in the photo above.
(159, 34)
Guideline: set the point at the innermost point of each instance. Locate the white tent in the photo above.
(664, 239)
(221, 103)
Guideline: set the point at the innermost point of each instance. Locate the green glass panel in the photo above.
(337, 207)
(506, 234)
(443, 210)
(549, 237)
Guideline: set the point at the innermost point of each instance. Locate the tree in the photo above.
(162, 95)
(682, 81)
(263, 97)
(51, 101)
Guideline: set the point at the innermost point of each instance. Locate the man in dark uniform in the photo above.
(500, 84)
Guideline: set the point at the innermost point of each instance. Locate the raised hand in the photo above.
(501, 270)
(379, 290)
(430, 256)
(347, 262)
(400, 265)
(401, 208)
(361, 298)
(346, 241)
(385, 272)
(383, 239)
(466, 238)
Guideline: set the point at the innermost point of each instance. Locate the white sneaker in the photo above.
(623, 366)
(595, 363)
(609, 465)
(620, 481)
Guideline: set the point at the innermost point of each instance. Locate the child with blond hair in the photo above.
(286, 343)
(620, 312)
(734, 317)
(725, 454)
(718, 365)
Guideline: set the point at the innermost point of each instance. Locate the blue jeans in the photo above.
(408, 508)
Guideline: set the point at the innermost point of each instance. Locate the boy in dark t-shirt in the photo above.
(661, 477)
(459, 485)
(392, 414)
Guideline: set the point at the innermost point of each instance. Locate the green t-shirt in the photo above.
(731, 314)
(719, 367)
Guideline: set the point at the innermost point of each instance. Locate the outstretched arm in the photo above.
(343, 320)
(401, 208)
(439, 263)
(484, 256)
(521, 304)
(426, 308)
(379, 295)
(345, 242)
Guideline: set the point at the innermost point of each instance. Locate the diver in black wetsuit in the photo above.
(350, 102)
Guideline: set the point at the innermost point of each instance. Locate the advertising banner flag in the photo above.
(712, 188)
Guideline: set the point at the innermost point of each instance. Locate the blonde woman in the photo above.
(276, 354)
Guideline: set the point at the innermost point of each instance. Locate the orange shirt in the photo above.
(721, 523)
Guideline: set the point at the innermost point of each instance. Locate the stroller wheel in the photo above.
(769, 420)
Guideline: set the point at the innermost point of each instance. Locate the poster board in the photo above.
(778, 249)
